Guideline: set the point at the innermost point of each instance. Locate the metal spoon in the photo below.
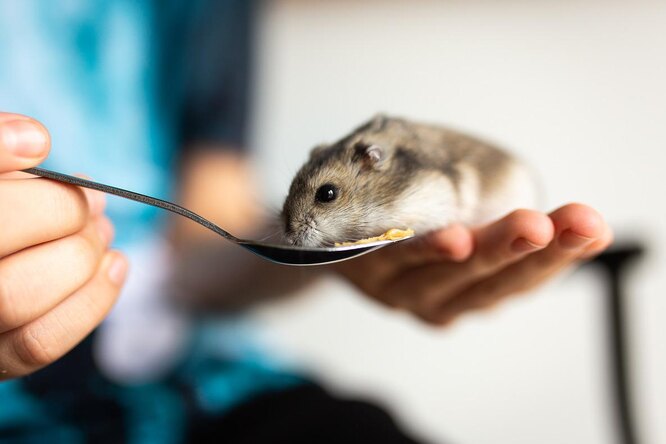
(281, 254)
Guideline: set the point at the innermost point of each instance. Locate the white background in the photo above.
(579, 90)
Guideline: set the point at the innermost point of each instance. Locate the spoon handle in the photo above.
(159, 203)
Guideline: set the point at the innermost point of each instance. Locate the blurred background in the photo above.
(576, 88)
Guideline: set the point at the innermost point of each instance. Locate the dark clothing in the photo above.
(304, 414)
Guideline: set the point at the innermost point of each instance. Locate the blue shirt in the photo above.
(124, 86)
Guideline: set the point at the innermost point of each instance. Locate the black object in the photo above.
(614, 265)
(300, 415)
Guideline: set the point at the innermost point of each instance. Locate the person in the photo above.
(147, 95)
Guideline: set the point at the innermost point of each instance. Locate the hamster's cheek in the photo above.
(330, 229)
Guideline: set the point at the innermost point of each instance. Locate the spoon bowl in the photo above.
(281, 254)
(302, 256)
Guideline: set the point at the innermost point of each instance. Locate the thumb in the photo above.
(24, 142)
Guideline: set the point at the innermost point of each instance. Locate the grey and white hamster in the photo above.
(394, 173)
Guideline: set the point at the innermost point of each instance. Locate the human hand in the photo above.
(443, 274)
(57, 277)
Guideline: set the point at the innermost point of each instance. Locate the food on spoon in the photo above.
(392, 234)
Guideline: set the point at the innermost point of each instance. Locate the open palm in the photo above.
(445, 273)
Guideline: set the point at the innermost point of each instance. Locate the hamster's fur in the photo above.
(394, 173)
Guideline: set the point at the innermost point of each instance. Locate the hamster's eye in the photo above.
(326, 193)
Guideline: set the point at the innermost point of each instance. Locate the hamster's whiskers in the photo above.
(323, 237)
(273, 234)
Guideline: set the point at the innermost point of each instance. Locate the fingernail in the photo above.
(105, 230)
(522, 245)
(24, 138)
(570, 240)
(118, 270)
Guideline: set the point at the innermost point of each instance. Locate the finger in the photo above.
(600, 245)
(38, 211)
(96, 199)
(497, 245)
(42, 341)
(24, 142)
(36, 279)
(577, 228)
(509, 239)
(453, 243)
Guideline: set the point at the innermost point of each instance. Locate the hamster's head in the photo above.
(344, 190)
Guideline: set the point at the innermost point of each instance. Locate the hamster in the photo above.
(395, 173)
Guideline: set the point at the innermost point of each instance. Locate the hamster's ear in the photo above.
(314, 152)
(375, 124)
(378, 122)
(371, 156)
